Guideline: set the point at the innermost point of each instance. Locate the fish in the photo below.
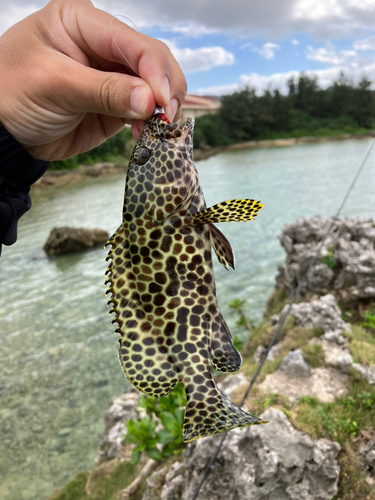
(160, 277)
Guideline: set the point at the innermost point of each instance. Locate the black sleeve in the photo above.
(18, 170)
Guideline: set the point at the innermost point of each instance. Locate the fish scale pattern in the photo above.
(160, 278)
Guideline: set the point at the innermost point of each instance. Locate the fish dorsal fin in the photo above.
(229, 211)
(222, 247)
(225, 356)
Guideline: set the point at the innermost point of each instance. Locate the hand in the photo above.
(63, 82)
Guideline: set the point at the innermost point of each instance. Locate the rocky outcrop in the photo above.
(122, 409)
(347, 262)
(321, 313)
(366, 453)
(71, 239)
(271, 461)
(324, 383)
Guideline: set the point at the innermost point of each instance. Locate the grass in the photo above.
(362, 345)
(313, 354)
(102, 483)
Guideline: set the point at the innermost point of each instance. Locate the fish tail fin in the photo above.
(212, 413)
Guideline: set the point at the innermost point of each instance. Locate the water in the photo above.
(58, 355)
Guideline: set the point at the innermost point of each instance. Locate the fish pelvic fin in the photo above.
(228, 211)
(213, 415)
(222, 247)
(225, 357)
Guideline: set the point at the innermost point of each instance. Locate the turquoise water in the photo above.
(58, 354)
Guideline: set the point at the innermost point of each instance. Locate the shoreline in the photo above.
(53, 178)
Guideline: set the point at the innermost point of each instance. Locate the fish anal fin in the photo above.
(228, 211)
(140, 368)
(213, 415)
(225, 357)
(222, 247)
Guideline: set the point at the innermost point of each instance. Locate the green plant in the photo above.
(329, 260)
(163, 443)
(243, 320)
(369, 315)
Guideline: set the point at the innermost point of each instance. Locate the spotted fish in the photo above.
(161, 279)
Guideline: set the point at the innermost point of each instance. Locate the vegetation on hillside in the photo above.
(307, 110)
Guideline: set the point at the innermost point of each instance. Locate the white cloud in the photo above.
(202, 59)
(279, 80)
(295, 42)
(365, 44)
(267, 50)
(193, 30)
(266, 19)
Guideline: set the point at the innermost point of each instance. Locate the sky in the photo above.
(223, 46)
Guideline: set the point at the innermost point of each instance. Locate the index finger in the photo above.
(151, 59)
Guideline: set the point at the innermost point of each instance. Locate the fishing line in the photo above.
(157, 109)
(114, 40)
(296, 293)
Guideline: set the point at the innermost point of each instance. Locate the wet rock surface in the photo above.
(64, 240)
(273, 461)
(346, 264)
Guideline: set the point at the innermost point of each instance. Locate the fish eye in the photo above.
(143, 155)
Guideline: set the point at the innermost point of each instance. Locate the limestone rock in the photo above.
(367, 372)
(336, 355)
(122, 409)
(346, 266)
(321, 313)
(71, 239)
(294, 365)
(231, 383)
(260, 350)
(273, 461)
(366, 453)
(325, 384)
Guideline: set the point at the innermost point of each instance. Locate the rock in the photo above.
(231, 383)
(266, 462)
(294, 365)
(155, 483)
(367, 372)
(346, 266)
(260, 350)
(325, 384)
(321, 313)
(335, 336)
(70, 239)
(337, 356)
(172, 488)
(121, 410)
(366, 453)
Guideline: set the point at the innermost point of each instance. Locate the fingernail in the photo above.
(171, 109)
(165, 89)
(138, 100)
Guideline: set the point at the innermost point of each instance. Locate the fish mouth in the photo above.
(187, 133)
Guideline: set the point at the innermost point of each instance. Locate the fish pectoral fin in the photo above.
(225, 357)
(222, 247)
(199, 421)
(228, 211)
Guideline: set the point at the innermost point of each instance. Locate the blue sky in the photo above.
(225, 45)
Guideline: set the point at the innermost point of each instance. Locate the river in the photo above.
(58, 354)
